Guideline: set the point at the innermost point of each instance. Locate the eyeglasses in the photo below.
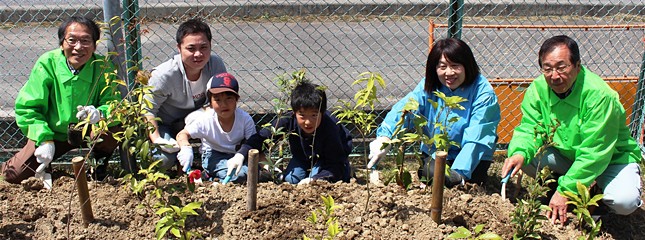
(559, 69)
(83, 42)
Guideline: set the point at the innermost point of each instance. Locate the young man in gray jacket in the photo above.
(179, 86)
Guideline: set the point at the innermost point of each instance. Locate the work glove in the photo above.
(235, 163)
(85, 111)
(185, 157)
(305, 181)
(169, 146)
(454, 179)
(377, 151)
(44, 155)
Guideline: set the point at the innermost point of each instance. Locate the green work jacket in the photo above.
(592, 131)
(46, 104)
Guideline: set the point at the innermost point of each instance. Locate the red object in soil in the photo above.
(195, 174)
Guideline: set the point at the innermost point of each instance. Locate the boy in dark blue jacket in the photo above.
(319, 145)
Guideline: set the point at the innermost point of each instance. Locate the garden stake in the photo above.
(437, 186)
(252, 181)
(78, 164)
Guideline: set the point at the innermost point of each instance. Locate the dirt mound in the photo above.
(32, 213)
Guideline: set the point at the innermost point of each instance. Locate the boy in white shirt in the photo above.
(222, 130)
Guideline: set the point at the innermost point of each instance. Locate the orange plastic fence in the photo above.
(510, 107)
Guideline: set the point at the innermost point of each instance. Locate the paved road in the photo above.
(334, 53)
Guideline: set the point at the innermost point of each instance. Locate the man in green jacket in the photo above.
(592, 142)
(66, 85)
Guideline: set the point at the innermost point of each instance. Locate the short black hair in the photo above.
(193, 26)
(550, 44)
(95, 31)
(307, 95)
(456, 51)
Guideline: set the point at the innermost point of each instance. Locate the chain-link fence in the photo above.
(336, 40)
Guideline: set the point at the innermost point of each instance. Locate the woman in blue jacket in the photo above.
(452, 70)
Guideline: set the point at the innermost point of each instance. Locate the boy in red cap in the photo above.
(222, 130)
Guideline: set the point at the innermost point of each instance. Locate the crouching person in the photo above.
(592, 142)
(222, 130)
(65, 86)
(320, 147)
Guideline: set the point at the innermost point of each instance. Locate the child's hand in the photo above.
(235, 163)
(185, 157)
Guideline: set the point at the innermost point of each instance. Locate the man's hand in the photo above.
(558, 205)
(235, 163)
(513, 165)
(377, 151)
(88, 111)
(169, 146)
(185, 157)
(44, 155)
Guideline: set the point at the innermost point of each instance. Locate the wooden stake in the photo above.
(252, 181)
(78, 164)
(437, 186)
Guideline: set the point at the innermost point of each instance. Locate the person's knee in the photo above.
(623, 204)
(10, 177)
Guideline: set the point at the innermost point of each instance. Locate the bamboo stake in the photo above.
(252, 181)
(78, 163)
(437, 186)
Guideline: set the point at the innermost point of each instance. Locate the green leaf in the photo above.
(175, 232)
(491, 236)
(478, 228)
(313, 218)
(162, 232)
(333, 229)
(163, 210)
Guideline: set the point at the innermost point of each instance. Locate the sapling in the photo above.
(583, 200)
(476, 234)
(365, 121)
(439, 134)
(527, 215)
(325, 215)
(275, 148)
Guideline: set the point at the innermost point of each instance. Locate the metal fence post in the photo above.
(455, 16)
(132, 39)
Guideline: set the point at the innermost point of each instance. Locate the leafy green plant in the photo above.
(583, 201)
(156, 195)
(326, 216)
(440, 139)
(527, 215)
(275, 146)
(361, 113)
(476, 234)
(174, 221)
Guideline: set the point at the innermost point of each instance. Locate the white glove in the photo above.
(85, 111)
(185, 157)
(169, 146)
(44, 155)
(376, 153)
(305, 181)
(235, 163)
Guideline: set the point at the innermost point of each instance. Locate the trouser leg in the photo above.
(621, 186)
(23, 165)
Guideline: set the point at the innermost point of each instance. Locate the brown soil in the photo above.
(28, 212)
